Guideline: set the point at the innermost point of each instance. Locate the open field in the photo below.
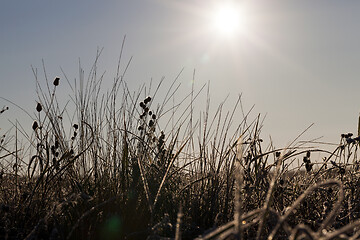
(108, 170)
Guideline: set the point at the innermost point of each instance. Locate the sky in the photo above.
(296, 61)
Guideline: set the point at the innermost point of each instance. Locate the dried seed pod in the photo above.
(38, 107)
(76, 126)
(140, 128)
(150, 113)
(4, 109)
(56, 81)
(308, 166)
(146, 109)
(153, 116)
(142, 105)
(35, 125)
(151, 123)
(146, 100)
(350, 140)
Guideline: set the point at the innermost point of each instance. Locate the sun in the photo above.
(228, 19)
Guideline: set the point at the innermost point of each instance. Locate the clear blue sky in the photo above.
(297, 61)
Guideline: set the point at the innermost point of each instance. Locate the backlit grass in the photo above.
(123, 165)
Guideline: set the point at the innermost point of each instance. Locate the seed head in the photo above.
(35, 125)
(153, 116)
(308, 166)
(142, 105)
(38, 107)
(350, 140)
(151, 123)
(56, 81)
(76, 126)
(162, 136)
(148, 99)
(4, 109)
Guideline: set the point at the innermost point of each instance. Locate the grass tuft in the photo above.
(118, 164)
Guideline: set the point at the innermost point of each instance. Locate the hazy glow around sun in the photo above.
(228, 19)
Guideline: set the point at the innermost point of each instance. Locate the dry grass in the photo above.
(107, 170)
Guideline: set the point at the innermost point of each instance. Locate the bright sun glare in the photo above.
(228, 19)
